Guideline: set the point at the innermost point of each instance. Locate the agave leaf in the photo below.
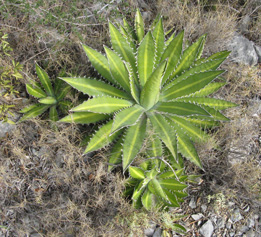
(53, 114)
(203, 67)
(180, 108)
(118, 69)
(172, 198)
(145, 58)
(134, 88)
(116, 154)
(35, 91)
(128, 36)
(139, 189)
(188, 57)
(83, 118)
(158, 35)
(202, 121)
(183, 126)
(58, 85)
(133, 142)
(201, 47)
(121, 46)
(154, 148)
(49, 100)
(103, 104)
(36, 111)
(170, 38)
(139, 26)
(99, 62)
(209, 89)
(93, 87)
(190, 85)
(211, 102)
(170, 174)
(147, 199)
(45, 80)
(150, 92)
(165, 132)
(215, 114)
(178, 228)
(172, 52)
(219, 55)
(171, 184)
(28, 108)
(63, 92)
(102, 138)
(158, 190)
(188, 150)
(127, 117)
(136, 173)
(129, 29)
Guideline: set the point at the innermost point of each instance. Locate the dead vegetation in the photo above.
(48, 187)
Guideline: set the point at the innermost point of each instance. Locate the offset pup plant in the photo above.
(150, 84)
(49, 97)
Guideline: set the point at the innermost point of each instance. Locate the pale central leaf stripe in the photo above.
(176, 107)
(46, 83)
(185, 147)
(100, 62)
(187, 128)
(102, 105)
(105, 135)
(128, 116)
(120, 72)
(186, 87)
(164, 130)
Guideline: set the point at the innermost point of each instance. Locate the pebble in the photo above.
(236, 216)
(207, 229)
(150, 231)
(157, 232)
(197, 217)
(221, 223)
(192, 203)
(204, 207)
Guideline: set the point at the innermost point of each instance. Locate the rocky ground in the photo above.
(48, 188)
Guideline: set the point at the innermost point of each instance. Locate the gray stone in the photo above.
(197, 217)
(157, 232)
(207, 229)
(232, 234)
(250, 222)
(6, 128)
(236, 216)
(243, 229)
(258, 52)
(192, 203)
(221, 223)
(150, 231)
(229, 224)
(243, 51)
(250, 233)
(204, 207)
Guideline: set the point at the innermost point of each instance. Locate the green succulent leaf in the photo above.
(180, 108)
(102, 138)
(53, 114)
(139, 26)
(151, 91)
(188, 150)
(172, 184)
(49, 100)
(118, 69)
(93, 87)
(158, 35)
(35, 91)
(28, 108)
(116, 154)
(166, 133)
(172, 52)
(99, 62)
(121, 45)
(209, 89)
(145, 58)
(45, 80)
(133, 142)
(34, 112)
(139, 189)
(63, 92)
(190, 85)
(105, 105)
(172, 198)
(154, 148)
(147, 199)
(83, 118)
(127, 117)
(214, 113)
(136, 173)
(158, 190)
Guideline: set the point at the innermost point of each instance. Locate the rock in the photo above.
(258, 52)
(221, 223)
(157, 232)
(207, 229)
(204, 207)
(6, 128)
(250, 233)
(149, 231)
(243, 50)
(243, 229)
(192, 203)
(250, 222)
(236, 216)
(197, 217)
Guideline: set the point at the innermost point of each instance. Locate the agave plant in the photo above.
(49, 97)
(149, 82)
(153, 184)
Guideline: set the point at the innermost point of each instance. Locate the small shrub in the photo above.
(49, 97)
